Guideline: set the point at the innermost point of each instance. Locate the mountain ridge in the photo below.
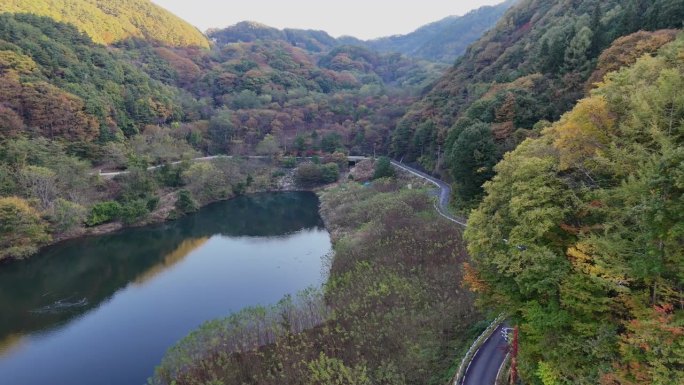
(112, 21)
(440, 41)
(446, 39)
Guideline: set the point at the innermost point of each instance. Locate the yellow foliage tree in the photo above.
(22, 231)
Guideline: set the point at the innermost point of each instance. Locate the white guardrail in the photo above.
(502, 372)
(475, 347)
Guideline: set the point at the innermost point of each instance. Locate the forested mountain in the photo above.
(248, 31)
(444, 40)
(56, 83)
(111, 21)
(577, 234)
(271, 87)
(580, 237)
(529, 69)
(67, 87)
(69, 105)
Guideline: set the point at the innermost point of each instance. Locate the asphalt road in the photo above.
(486, 362)
(485, 365)
(444, 192)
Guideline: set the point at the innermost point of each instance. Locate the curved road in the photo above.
(485, 364)
(444, 192)
(488, 359)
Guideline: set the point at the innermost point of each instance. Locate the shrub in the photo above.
(170, 175)
(152, 203)
(330, 173)
(308, 174)
(240, 188)
(186, 203)
(137, 184)
(337, 157)
(289, 162)
(134, 211)
(383, 168)
(326, 370)
(67, 215)
(204, 181)
(311, 174)
(103, 212)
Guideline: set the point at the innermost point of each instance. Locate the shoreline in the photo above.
(271, 179)
(366, 266)
(113, 227)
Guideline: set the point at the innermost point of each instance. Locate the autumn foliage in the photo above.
(579, 237)
(22, 230)
(111, 21)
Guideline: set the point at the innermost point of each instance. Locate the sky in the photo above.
(365, 19)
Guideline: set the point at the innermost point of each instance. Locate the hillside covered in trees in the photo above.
(440, 42)
(444, 40)
(70, 106)
(577, 233)
(528, 70)
(248, 31)
(56, 83)
(579, 237)
(112, 21)
(309, 99)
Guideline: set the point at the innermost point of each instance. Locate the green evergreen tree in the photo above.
(471, 159)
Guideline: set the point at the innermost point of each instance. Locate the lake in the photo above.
(103, 310)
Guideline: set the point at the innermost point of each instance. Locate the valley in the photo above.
(132, 143)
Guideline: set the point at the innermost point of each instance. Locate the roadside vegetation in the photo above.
(580, 236)
(392, 311)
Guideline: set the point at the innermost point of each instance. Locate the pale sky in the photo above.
(364, 19)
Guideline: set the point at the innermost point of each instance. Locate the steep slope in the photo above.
(111, 21)
(55, 82)
(532, 67)
(446, 39)
(348, 97)
(579, 238)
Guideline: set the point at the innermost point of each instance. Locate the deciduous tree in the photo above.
(22, 231)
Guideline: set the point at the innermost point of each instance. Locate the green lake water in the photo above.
(103, 310)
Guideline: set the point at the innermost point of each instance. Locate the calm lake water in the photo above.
(103, 310)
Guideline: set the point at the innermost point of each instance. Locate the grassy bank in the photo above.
(392, 312)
